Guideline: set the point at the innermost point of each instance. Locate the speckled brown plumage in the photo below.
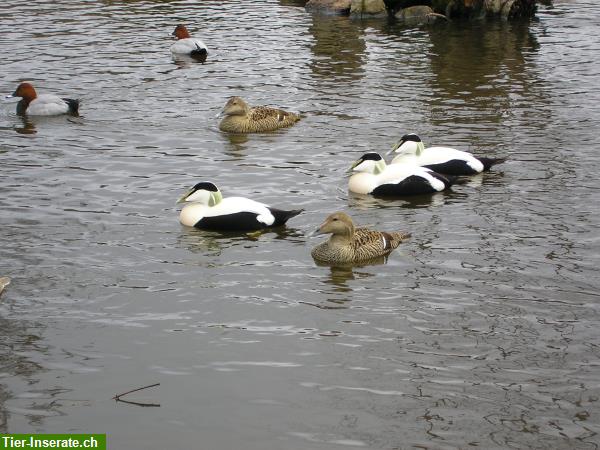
(350, 245)
(241, 118)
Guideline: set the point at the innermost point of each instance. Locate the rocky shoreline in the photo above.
(426, 10)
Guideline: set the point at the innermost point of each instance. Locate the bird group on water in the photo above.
(414, 170)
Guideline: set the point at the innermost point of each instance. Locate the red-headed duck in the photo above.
(44, 104)
(187, 45)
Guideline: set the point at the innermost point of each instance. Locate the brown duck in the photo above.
(4, 281)
(348, 244)
(241, 118)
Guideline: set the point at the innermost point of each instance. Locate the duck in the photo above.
(242, 118)
(349, 244)
(4, 281)
(33, 104)
(377, 178)
(210, 211)
(445, 160)
(187, 45)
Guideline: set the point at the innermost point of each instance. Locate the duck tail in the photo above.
(448, 180)
(396, 238)
(281, 216)
(199, 52)
(73, 105)
(489, 162)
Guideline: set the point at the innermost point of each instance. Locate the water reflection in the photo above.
(338, 48)
(366, 202)
(27, 126)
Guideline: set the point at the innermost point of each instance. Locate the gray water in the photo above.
(479, 332)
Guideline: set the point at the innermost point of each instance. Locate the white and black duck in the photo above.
(208, 210)
(188, 45)
(373, 176)
(411, 150)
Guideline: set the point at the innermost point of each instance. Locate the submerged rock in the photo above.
(333, 7)
(368, 7)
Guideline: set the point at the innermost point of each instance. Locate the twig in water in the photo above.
(118, 396)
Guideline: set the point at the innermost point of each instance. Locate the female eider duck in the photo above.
(241, 118)
(209, 210)
(376, 178)
(348, 244)
(43, 104)
(187, 45)
(411, 150)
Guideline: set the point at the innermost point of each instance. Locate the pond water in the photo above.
(480, 331)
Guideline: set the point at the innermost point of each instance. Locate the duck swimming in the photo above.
(411, 150)
(43, 104)
(187, 45)
(209, 210)
(376, 178)
(241, 118)
(348, 244)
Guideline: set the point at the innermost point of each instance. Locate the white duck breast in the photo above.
(231, 213)
(188, 45)
(47, 105)
(443, 160)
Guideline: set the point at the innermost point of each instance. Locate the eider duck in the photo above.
(376, 178)
(210, 211)
(348, 244)
(241, 118)
(44, 104)
(4, 281)
(187, 45)
(411, 150)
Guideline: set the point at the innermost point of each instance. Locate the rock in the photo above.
(418, 15)
(339, 7)
(368, 7)
(486, 8)
(4, 281)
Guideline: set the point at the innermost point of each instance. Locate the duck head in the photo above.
(369, 162)
(236, 106)
(409, 144)
(25, 91)
(337, 224)
(181, 32)
(204, 192)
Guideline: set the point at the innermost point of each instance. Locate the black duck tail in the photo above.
(199, 53)
(281, 216)
(448, 180)
(73, 105)
(489, 162)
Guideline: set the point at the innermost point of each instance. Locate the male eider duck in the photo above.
(241, 118)
(4, 281)
(187, 45)
(348, 244)
(209, 210)
(411, 150)
(44, 104)
(376, 178)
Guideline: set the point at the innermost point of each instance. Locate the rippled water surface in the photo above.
(481, 331)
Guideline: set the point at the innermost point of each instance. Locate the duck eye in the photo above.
(334, 219)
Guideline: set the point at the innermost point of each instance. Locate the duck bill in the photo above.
(395, 147)
(315, 232)
(184, 197)
(354, 164)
